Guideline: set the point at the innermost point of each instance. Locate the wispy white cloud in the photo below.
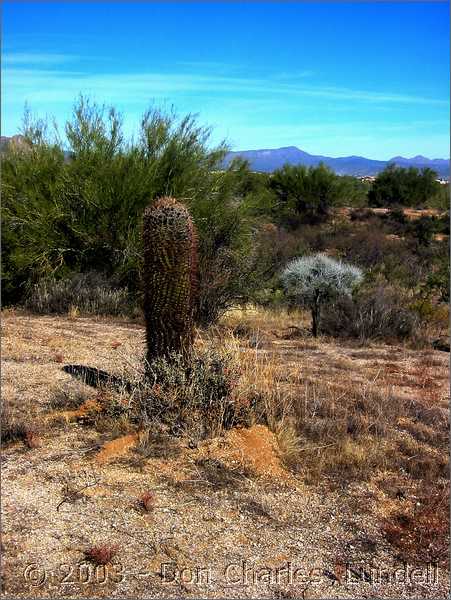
(47, 85)
(269, 111)
(208, 64)
(348, 129)
(29, 58)
(292, 76)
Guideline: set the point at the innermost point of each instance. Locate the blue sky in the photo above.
(333, 78)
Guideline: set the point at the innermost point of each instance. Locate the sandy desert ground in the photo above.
(234, 516)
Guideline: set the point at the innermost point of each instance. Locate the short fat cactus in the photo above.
(170, 278)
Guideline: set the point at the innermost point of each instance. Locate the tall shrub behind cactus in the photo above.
(170, 277)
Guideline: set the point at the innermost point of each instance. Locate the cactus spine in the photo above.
(170, 277)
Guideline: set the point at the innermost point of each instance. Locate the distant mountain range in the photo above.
(270, 160)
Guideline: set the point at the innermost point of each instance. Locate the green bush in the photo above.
(309, 193)
(440, 200)
(437, 282)
(424, 228)
(407, 187)
(79, 208)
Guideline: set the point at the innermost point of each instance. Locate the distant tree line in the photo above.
(300, 194)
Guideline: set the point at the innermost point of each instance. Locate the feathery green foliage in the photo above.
(310, 192)
(77, 207)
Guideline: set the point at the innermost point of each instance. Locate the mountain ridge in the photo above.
(267, 160)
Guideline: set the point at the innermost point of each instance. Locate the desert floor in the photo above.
(229, 517)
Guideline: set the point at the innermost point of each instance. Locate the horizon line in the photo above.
(342, 156)
(229, 151)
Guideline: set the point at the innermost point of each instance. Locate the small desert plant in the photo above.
(101, 555)
(69, 397)
(195, 395)
(15, 427)
(85, 293)
(147, 501)
(315, 280)
(170, 278)
(31, 439)
(288, 441)
(156, 442)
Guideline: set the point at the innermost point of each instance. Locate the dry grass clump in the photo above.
(250, 319)
(86, 293)
(348, 430)
(221, 475)
(69, 397)
(288, 441)
(15, 427)
(156, 442)
(354, 430)
(197, 399)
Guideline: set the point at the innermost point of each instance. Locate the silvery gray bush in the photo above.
(314, 280)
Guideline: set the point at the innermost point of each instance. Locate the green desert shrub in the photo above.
(78, 207)
(407, 187)
(308, 192)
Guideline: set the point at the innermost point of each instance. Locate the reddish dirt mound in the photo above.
(254, 448)
(259, 447)
(88, 407)
(116, 447)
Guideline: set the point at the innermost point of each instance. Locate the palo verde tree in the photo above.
(74, 204)
(314, 280)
